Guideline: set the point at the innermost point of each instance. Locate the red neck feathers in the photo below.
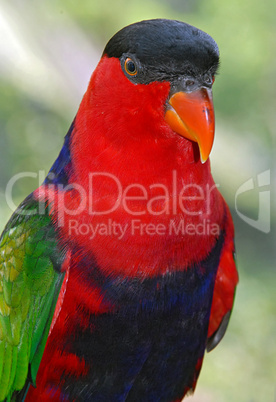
(145, 203)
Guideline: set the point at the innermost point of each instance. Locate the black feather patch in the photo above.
(165, 49)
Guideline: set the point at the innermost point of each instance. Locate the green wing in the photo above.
(30, 281)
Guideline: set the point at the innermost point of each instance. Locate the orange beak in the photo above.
(192, 116)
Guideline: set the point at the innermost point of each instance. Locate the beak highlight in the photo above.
(192, 116)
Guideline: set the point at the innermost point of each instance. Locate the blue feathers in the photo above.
(152, 340)
(59, 172)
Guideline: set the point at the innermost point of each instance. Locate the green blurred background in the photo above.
(48, 51)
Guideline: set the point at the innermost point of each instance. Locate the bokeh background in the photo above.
(48, 51)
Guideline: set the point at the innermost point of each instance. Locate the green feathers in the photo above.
(30, 281)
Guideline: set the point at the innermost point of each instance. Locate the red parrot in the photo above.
(118, 272)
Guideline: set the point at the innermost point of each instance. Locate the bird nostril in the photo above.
(190, 83)
(208, 80)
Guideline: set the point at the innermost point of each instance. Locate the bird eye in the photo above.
(130, 67)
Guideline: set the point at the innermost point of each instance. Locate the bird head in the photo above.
(177, 54)
(146, 126)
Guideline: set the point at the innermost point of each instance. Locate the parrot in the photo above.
(118, 272)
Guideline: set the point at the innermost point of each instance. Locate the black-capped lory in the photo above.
(118, 272)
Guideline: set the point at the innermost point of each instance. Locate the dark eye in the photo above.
(130, 67)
